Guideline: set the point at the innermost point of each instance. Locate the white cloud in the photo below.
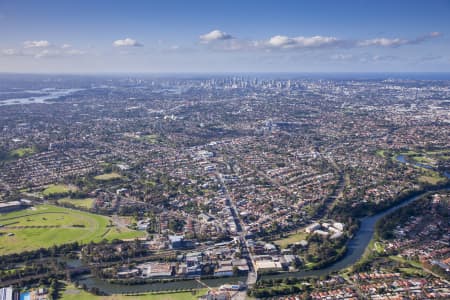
(66, 46)
(280, 41)
(425, 37)
(127, 43)
(73, 52)
(42, 52)
(215, 35)
(396, 42)
(363, 58)
(342, 57)
(48, 53)
(383, 42)
(10, 52)
(36, 44)
(434, 34)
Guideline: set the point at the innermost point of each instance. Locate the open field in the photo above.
(57, 189)
(413, 271)
(151, 139)
(400, 259)
(291, 239)
(426, 157)
(381, 153)
(47, 225)
(85, 203)
(72, 293)
(431, 178)
(21, 152)
(378, 247)
(423, 160)
(108, 176)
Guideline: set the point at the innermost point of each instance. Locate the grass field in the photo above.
(72, 293)
(381, 153)
(47, 225)
(422, 159)
(427, 157)
(378, 247)
(291, 239)
(85, 203)
(56, 189)
(431, 178)
(108, 176)
(412, 271)
(400, 259)
(22, 152)
(151, 139)
(410, 153)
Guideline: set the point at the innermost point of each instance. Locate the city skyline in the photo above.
(173, 36)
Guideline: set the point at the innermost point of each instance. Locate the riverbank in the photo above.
(357, 245)
(70, 292)
(110, 288)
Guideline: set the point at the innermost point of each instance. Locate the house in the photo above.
(312, 227)
(142, 224)
(321, 232)
(339, 226)
(121, 191)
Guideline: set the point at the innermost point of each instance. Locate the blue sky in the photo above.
(224, 36)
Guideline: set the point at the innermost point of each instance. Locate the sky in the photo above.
(96, 36)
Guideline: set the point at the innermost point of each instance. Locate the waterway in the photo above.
(401, 158)
(110, 288)
(47, 94)
(355, 249)
(358, 244)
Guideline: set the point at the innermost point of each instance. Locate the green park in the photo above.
(43, 226)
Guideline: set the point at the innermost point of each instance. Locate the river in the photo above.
(110, 288)
(401, 158)
(355, 249)
(358, 244)
(47, 94)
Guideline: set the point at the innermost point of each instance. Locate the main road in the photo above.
(242, 236)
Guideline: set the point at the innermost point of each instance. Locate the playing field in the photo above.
(291, 239)
(21, 152)
(72, 293)
(58, 189)
(47, 225)
(108, 176)
(84, 203)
